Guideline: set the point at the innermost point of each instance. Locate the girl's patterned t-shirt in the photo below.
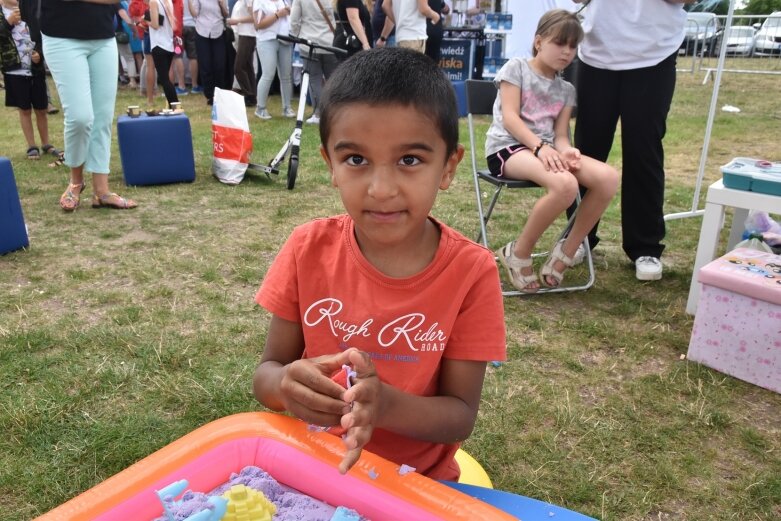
(542, 99)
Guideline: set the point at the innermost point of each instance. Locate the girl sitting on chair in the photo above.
(529, 140)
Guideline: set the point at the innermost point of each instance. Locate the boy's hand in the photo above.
(571, 156)
(551, 159)
(365, 395)
(35, 57)
(308, 392)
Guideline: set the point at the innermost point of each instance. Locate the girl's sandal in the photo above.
(112, 200)
(514, 265)
(33, 153)
(549, 270)
(71, 198)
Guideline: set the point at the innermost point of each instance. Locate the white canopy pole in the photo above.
(709, 127)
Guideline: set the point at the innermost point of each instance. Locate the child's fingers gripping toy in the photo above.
(343, 377)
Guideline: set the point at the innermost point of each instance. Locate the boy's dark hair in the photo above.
(562, 26)
(392, 75)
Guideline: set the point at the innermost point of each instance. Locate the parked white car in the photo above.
(740, 40)
(768, 38)
(703, 31)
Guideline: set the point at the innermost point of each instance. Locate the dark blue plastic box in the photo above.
(13, 232)
(156, 150)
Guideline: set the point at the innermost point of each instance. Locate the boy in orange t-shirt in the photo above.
(414, 306)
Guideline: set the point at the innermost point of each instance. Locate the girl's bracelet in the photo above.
(539, 147)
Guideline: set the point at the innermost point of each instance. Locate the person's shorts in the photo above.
(188, 35)
(496, 161)
(147, 43)
(25, 92)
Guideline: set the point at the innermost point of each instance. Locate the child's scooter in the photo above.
(293, 143)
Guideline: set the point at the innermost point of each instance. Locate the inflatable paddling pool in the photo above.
(295, 456)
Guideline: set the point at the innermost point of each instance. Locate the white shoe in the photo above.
(262, 114)
(314, 120)
(648, 268)
(288, 113)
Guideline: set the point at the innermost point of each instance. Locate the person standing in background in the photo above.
(627, 73)
(81, 51)
(354, 18)
(276, 57)
(162, 27)
(313, 20)
(188, 39)
(436, 31)
(409, 19)
(378, 22)
(209, 16)
(241, 18)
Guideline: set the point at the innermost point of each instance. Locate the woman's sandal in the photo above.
(514, 265)
(70, 199)
(549, 270)
(112, 200)
(34, 153)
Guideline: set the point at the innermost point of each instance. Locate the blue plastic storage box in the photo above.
(156, 150)
(13, 232)
(753, 175)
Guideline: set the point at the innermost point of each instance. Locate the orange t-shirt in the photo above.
(451, 309)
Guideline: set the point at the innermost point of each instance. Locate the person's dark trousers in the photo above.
(211, 63)
(434, 40)
(163, 59)
(640, 99)
(245, 72)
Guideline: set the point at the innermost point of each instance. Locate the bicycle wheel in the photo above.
(292, 171)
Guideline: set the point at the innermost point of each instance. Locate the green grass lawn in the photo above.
(121, 331)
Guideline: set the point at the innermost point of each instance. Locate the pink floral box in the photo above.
(737, 329)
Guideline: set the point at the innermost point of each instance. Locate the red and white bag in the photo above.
(230, 136)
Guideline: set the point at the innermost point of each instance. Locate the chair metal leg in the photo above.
(483, 236)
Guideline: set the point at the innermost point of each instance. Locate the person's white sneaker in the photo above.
(289, 113)
(262, 114)
(313, 120)
(648, 268)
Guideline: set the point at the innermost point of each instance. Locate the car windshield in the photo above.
(700, 23)
(772, 23)
(741, 32)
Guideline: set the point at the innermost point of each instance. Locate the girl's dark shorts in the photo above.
(25, 92)
(496, 161)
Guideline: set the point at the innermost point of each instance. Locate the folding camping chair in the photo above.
(480, 96)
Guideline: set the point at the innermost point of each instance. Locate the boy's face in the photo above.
(388, 162)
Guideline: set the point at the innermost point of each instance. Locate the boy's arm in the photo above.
(285, 381)
(448, 417)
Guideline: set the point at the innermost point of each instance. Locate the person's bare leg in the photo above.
(601, 181)
(177, 72)
(42, 122)
(194, 73)
(26, 120)
(101, 191)
(149, 81)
